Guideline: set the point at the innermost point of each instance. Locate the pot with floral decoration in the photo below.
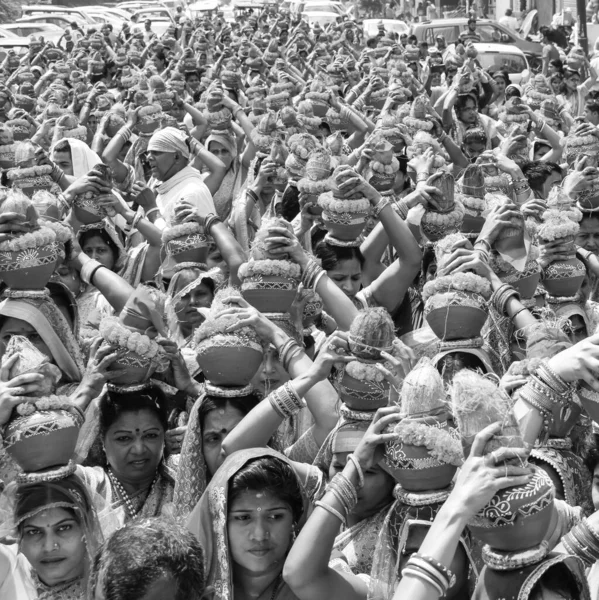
(148, 119)
(276, 101)
(427, 452)
(21, 129)
(515, 521)
(218, 116)
(588, 198)
(549, 112)
(515, 112)
(306, 116)
(91, 207)
(257, 90)
(417, 119)
(448, 213)
(226, 357)
(160, 94)
(456, 304)
(562, 278)
(27, 260)
(344, 213)
(495, 180)
(289, 123)
(7, 148)
(278, 155)
(317, 180)
(133, 334)
(525, 282)
(129, 78)
(300, 146)
(42, 434)
(360, 383)
(512, 235)
(258, 111)
(25, 98)
(577, 145)
(269, 281)
(318, 97)
(272, 52)
(335, 144)
(420, 143)
(28, 176)
(384, 166)
(185, 241)
(537, 91)
(68, 126)
(394, 132)
(471, 193)
(264, 135)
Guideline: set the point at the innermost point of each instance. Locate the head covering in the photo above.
(82, 156)
(226, 138)
(52, 327)
(208, 521)
(171, 140)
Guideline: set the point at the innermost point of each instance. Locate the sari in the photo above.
(208, 522)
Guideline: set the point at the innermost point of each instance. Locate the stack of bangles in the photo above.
(56, 173)
(195, 147)
(544, 390)
(312, 274)
(380, 206)
(402, 208)
(288, 351)
(422, 176)
(430, 571)
(285, 401)
(211, 220)
(501, 296)
(344, 491)
(484, 248)
(520, 185)
(583, 541)
(125, 133)
(88, 270)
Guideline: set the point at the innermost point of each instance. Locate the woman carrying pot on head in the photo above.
(58, 535)
(247, 520)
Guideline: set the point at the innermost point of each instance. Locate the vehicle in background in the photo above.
(62, 21)
(132, 7)
(489, 31)
(204, 8)
(371, 26)
(102, 16)
(318, 6)
(161, 19)
(19, 45)
(50, 33)
(322, 18)
(505, 58)
(41, 10)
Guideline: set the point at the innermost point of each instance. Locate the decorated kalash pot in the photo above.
(495, 180)
(514, 112)
(588, 197)
(7, 148)
(344, 213)
(27, 258)
(319, 97)
(360, 384)
(134, 334)
(185, 241)
(471, 194)
(42, 434)
(384, 166)
(563, 277)
(447, 214)
(427, 452)
(537, 91)
(148, 119)
(577, 146)
(515, 522)
(28, 176)
(218, 116)
(91, 207)
(318, 177)
(67, 126)
(456, 304)
(269, 281)
(227, 358)
(21, 129)
(418, 119)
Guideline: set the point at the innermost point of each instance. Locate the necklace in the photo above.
(124, 496)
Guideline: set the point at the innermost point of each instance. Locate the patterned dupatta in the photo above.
(208, 522)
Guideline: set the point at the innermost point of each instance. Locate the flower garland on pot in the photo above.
(448, 214)
(28, 176)
(185, 242)
(91, 207)
(300, 146)
(27, 259)
(456, 304)
(576, 145)
(384, 166)
(307, 118)
(264, 135)
(318, 176)
(495, 180)
(471, 194)
(421, 142)
(426, 453)
(7, 148)
(514, 111)
(318, 95)
(344, 213)
(269, 281)
(525, 282)
(217, 115)
(228, 356)
(514, 523)
(417, 119)
(537, 91)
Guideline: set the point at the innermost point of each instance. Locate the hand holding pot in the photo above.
(283, 242)
(248, 316)
(553, 251)
(580, 362)
(336, 350)
(371, 449)
(17, 390)
(499, 216)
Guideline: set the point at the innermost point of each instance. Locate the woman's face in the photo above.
(218, 423)
(572, 82)
(53, 542)
(500, 83)
(556, 84)
(134, 444)
(376, 492)
(221, 152)
(95, 247)
(12, 326)
(158, 63)
(193, 82)
(473, 149)
(347, 276)
(64, 161)
(69, 277)
(272, 374)
(260, 529)
(187, 307)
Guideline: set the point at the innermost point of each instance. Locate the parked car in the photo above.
(322, 18)
(489, 31)
(505, 57)
(50, 32)
(371, 28)
(62, 21)
(160, 17)
(51, 9)
(318, 6)
(19, 45)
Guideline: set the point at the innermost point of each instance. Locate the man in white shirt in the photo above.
(509, 21)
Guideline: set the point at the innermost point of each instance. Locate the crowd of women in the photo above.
(288, 313)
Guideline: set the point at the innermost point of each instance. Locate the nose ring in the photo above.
(55, 544)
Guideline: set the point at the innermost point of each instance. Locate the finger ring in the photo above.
(340, 350)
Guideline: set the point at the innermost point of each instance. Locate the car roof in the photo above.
(322, 13)
(502, 48)
(14, 41)
(456, 21)
(17, 24)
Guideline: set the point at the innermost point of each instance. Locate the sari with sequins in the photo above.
(208, 522)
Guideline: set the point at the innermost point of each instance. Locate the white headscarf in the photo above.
(82, 156)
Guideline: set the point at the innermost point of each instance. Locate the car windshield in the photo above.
(512, 63)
